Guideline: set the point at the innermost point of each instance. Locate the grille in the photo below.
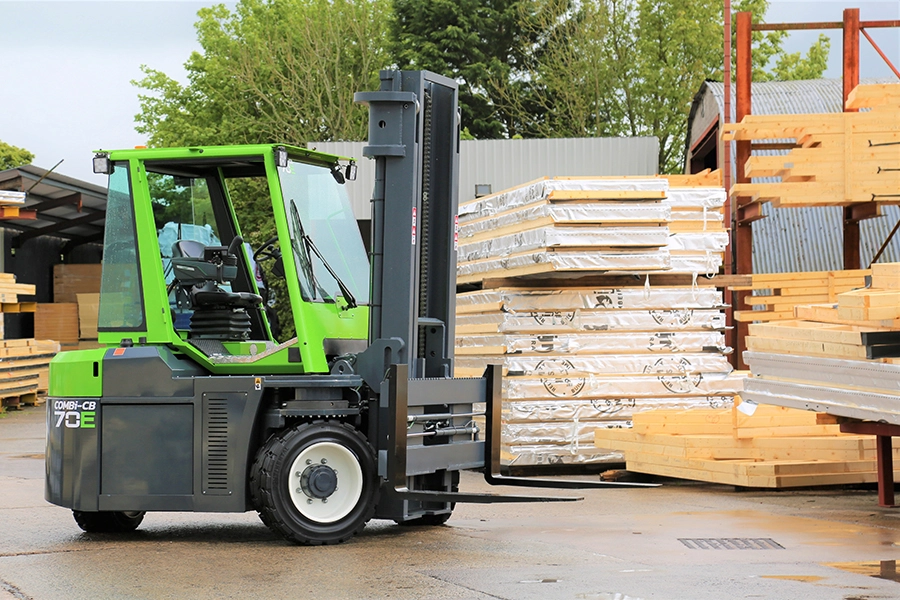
(731, 543)
(215, 438)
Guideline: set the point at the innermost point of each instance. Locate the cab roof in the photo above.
(211, 153)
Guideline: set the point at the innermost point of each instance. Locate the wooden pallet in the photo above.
(776, 447)
(17, 401)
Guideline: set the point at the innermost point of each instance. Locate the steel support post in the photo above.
(851, 80)
(883, 433)
(742, 230)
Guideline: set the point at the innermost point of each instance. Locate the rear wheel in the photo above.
(315, 483)
(108, 521)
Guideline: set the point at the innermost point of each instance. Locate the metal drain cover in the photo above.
(731, 543)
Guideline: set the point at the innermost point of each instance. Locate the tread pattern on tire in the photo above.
(264, 478)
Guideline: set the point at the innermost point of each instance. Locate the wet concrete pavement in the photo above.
(617, 544)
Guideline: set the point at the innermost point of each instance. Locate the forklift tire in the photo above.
(315, 483)
(108, 521)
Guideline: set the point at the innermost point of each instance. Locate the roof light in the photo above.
(102, 164)
(350, 173)
(281, 157)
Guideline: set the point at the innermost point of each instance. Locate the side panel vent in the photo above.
(215, 446)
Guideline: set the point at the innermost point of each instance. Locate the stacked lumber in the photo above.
(10, 290)
(11, 203)
(774, 447)
(777, 295)
(587, 353)
(841, 358)
(24, 371)
(837, 158)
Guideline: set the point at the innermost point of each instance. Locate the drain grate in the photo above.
(731, 543)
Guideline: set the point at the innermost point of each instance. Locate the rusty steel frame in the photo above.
(884, 434)
(744, 213)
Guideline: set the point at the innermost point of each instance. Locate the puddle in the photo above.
(804, 578)
(885, 569)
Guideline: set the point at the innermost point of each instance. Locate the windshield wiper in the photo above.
(348, 296)
(307, 266)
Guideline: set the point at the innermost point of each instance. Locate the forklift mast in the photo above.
(414, 140)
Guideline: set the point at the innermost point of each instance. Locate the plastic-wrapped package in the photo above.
(701, 263)
(713, 218)
(608, 213)
(565, 237)
(651, 365)
(696, 197)
(576, 359)
(712, 241)
(541, 189)
(591, 320)
(603, 409)
(547, 455)
(513, 300)
(594, 343)
(554, 433)
(568, 260)
(627, 386)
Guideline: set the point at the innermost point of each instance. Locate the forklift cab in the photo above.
(178, 269)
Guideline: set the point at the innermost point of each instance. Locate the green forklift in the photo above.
(193, 404)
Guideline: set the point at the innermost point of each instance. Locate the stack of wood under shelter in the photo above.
(24, 363)
(593, 296)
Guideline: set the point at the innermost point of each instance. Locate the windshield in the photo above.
(320, 218)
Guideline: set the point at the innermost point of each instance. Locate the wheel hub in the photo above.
(312, 481)
(318, 481)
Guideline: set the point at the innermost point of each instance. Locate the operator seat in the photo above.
(218, 314)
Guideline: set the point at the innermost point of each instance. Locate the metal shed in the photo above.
(62, 220)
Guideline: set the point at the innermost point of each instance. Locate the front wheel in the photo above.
(108, 521)
(315, 483)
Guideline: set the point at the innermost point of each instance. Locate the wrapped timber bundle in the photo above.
(842, 358)
(565, 225)
(578, 359)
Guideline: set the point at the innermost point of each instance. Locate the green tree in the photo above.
(13, 156)
(476, 42)
(632, 67)
(272, 70)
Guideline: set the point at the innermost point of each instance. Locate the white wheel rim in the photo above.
(349, 482)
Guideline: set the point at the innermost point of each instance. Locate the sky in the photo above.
(68, 65)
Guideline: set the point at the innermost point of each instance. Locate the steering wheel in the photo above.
(268, 251)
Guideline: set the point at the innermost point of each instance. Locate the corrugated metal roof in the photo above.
(805, 239)
(504, 164)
